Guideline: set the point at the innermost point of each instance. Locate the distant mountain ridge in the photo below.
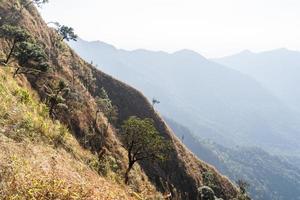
(278, 70)
(215, 101)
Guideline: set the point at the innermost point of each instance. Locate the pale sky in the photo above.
(213, 28)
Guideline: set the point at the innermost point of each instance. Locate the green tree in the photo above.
(142, 141)
(66, 33)
(15, 35)
(105, 106)
(56, 97)
(31, 59)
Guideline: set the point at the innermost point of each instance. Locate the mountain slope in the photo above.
(180, 175)
(214, 101)
(277, 70)
(270, 177)
(38, 155)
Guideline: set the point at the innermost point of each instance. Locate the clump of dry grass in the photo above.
(18, 182)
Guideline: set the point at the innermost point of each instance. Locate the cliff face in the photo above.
(181, 175)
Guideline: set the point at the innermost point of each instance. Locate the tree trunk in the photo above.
(130, 165)
(10, 53)
(16, 72)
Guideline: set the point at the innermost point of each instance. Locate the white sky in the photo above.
(211, 27)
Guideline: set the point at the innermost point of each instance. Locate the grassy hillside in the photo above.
(180, 175)
(39, 158)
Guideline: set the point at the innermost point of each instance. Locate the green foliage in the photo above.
(105, 106)
(29, 120)
(23, 96)
(206, 193)
(66, 33)
(108, 165)
(142, 141)
(31, 58)
(210, 180)
(56, 97)
(14, 35)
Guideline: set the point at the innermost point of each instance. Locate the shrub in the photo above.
(206, 193)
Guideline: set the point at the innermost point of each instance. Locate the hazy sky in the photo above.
(211, 27)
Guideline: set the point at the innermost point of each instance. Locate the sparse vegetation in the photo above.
(26, 3)
(243, 186)
(105, 106)
(155, 101)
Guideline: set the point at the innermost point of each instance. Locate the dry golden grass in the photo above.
(39, 158)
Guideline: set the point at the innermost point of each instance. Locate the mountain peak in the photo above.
(246, 52)
(188, 53)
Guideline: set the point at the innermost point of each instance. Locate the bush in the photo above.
(206, 193)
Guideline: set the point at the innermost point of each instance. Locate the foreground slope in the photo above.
(38, 156)
(181, 174)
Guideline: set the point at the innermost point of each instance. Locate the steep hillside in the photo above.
(180, 175)
(277, 70)
(38, 156)
(214, 101)
(270, 177)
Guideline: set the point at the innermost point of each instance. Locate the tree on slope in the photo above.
(66, 32)
(31, 59)
(15, 35)
(105, 106)
(142, 141)
(56, 97)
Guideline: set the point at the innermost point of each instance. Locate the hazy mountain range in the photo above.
(277, 70)
(214, 101)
